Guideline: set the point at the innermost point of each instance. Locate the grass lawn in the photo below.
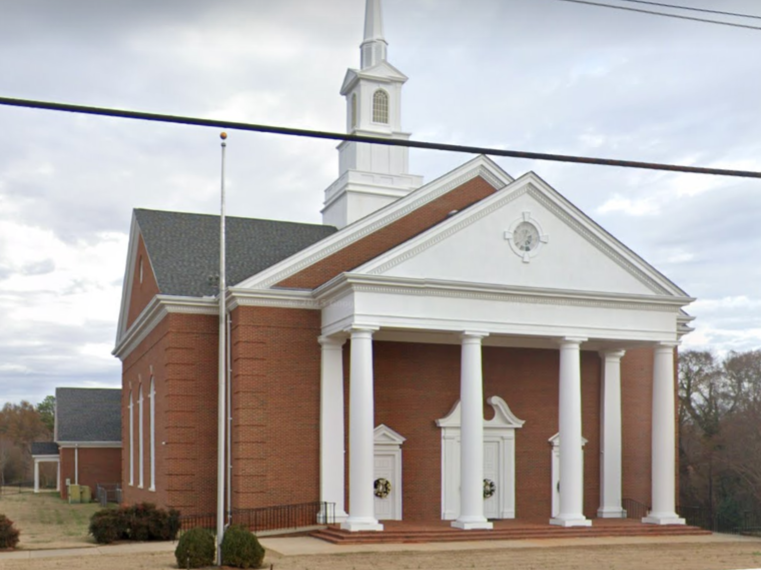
(47, 521)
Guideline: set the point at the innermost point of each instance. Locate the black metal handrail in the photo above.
(278, 517)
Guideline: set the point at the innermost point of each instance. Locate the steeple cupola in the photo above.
(371, 176)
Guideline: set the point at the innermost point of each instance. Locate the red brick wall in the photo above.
(142, 293)
(276, 406)
(96, 465)
(182, 352)
(416, 384)
(392, 235)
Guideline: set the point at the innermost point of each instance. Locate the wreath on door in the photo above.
(489, 488)
(382, 488)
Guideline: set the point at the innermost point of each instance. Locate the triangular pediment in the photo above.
(383, 71)
(384, 435)
(527, 236)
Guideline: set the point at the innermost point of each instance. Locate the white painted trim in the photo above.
(159, 307)
(140, 437)
(281, 298)
(479, 166)
(152, 397)
(88, 444)
(131, 409)
(388, 442)
(46, 458)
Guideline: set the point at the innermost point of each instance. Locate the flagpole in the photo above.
(221, 407)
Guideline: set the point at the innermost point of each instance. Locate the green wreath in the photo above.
(489, 488)
(382, 488)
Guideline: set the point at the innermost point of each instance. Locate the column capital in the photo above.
(473, 336)
(613, 354)
(331, 341)
(667, 346)
(355, 330)
(571, 341)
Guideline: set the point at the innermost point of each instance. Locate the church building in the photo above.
(469, 349)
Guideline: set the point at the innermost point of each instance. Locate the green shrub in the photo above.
(241, 549)
(140, 522)
(108, 525)
(195, 549)
(8, 534)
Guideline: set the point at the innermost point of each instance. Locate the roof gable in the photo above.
(383, 71)
(88, 414)
(317, 264)
(475, 246)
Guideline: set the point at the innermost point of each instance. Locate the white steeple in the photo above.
(374, 46)
(371, 176)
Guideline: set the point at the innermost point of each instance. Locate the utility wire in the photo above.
(216, 123)
(678, 16)
(693, 9)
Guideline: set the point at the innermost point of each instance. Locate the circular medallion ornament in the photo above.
(526, 237)
(382, 488)
(489, 488)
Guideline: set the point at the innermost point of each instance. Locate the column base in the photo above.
(473, 525)
(363, 525)
(611, 514)
(568, 522)
(667, 518)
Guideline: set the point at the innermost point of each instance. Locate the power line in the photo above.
(217, 123)
(651, 12)
(693, 9)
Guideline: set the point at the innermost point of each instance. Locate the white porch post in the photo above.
(36, 476)
(332, 428)
(471, 435)
(663, 438)
(610, 437)
(58, 476)
(571, 512)
(361, 425)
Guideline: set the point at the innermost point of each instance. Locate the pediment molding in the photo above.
(503, 418)
(384, 435)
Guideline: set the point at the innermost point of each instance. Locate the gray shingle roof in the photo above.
(184, 248)
(88, 414)
(44, 448)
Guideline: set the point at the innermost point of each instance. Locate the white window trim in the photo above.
(140, 436)
(131, 448)
(387, 110)
(152, 396)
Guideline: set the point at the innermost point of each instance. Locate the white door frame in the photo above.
(387, 442)
(501, 428)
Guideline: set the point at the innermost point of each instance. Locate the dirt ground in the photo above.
(684, 556)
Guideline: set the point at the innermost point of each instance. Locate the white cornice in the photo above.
(479, 166)
(46, 457)
(283, 298)
(159, 307)
(88, 444)
(352, 282)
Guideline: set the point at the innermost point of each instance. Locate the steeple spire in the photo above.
(374, 46)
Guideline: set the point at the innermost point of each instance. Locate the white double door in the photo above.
(493, 473)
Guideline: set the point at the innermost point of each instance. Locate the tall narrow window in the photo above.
(131, 448)
(140, 436)
(141, 269)
(380, 107)
(354, 111)
(152, 396)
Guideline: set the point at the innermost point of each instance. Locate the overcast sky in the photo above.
(538, 75)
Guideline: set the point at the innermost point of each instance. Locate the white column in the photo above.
(471, 435)
(571, 512)
(36, 476)
(610, 436)
(58, 476)
(361, 425)
(332, 427)
(663, 442)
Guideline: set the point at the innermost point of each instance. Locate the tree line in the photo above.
(720, 432)
(20, 426)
